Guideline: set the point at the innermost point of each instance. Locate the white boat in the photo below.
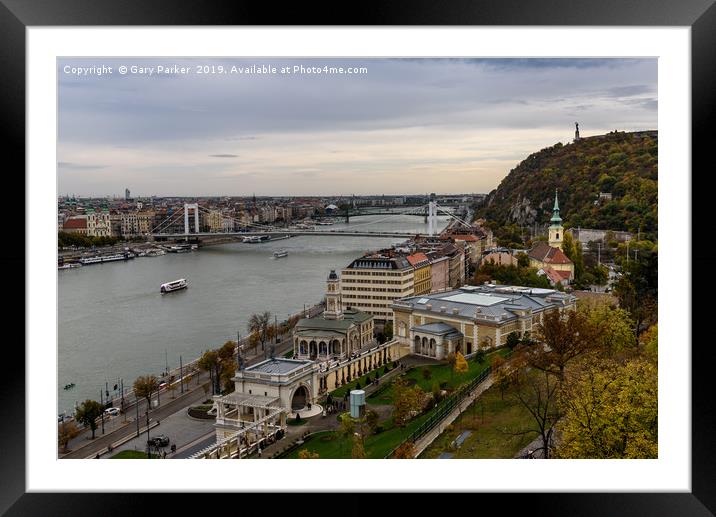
(71, 265)
(99, 259)
(253, 238)
(156, 253)
(174, 285)
(280, 253)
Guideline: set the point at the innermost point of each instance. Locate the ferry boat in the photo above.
(174, 285)
(253, 238)
(280, 253)
(155, 253)
(99, 259)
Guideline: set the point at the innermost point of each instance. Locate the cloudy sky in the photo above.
(405, 126)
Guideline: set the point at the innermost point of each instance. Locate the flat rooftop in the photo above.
(493, 302)
(278, 366)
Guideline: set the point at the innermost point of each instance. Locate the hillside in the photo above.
(623, 164)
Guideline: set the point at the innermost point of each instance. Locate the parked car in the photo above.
(161, 440)
(113, 411)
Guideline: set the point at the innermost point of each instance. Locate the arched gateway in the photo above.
(300, 398)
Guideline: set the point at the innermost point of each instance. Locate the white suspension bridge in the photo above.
(171, 228)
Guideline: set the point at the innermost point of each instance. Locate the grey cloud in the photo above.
(78, 166)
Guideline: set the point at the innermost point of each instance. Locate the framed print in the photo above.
(183, 141)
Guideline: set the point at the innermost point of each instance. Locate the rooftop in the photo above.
(491, 302)
(278, 366)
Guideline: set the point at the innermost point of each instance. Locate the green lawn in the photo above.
(131, 455)
(438, 374)
(329, 444)
(494, 423)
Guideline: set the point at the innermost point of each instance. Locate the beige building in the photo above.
(371, 283)
(472, 317)
(98, 223)
(215, 221)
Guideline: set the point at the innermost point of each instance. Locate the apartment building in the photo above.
(371, 283)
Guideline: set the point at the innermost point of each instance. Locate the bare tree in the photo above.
(537, 391)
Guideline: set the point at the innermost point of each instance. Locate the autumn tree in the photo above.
(145, 386)
(637, 290)
(211, 362)
(305, 454)
(614, 327)
(407, 400)
(649, 343)
(610, 410)
(460, 365)
(564, 337)
(66, 431)
(87, 414)
(406, 451)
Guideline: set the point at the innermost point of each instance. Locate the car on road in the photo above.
(163, 385)
(112, 411)
(160, 440)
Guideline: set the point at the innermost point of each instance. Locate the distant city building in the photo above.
(98, 223)
(422, 270)
(126, 194)
(76, 224)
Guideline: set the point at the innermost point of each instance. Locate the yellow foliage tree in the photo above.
(460, 363)
(610, 411)
(305, 454)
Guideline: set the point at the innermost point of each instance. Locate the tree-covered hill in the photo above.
(621, 164)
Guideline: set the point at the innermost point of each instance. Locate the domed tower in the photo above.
(333, 298)
(556, 232)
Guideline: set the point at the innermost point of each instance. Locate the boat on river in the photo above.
(174, 285)
(280, 253)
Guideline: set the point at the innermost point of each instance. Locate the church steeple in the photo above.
(556, 232)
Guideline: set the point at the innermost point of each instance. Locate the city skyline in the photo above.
(408, 125)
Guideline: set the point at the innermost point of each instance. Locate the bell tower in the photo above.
(556, 232)
(333, 298)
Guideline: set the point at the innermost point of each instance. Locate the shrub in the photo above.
(357, 385)
(427, 373)
(378, 429)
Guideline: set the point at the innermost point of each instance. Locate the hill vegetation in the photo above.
(618, 163)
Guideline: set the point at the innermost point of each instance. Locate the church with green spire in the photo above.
(548, 257)
(556, 232)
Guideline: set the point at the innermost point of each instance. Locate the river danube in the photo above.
(113, 322)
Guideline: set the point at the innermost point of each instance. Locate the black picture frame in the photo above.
(700, 15)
